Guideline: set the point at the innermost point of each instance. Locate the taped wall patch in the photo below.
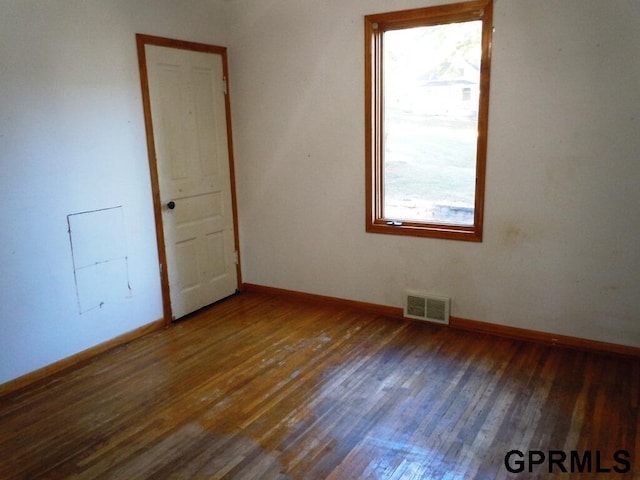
(99, 252)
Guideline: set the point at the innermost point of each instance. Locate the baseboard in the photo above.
(462, 323)
(74, 360)
(543, 337)
(396, 312)
(369, 307)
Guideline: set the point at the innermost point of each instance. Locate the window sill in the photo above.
(447, 232)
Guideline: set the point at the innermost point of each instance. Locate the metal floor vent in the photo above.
(426, 307)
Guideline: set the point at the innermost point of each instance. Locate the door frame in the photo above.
(141, 41)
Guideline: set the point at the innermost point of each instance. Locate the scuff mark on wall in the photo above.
(513, 235)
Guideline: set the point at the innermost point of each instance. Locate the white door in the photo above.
(187, 100)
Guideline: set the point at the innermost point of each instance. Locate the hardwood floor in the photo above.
(263, 387)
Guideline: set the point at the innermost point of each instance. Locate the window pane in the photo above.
(431, 98)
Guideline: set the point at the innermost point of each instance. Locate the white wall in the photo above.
(72, 139)
(562, 215)
(562, 208)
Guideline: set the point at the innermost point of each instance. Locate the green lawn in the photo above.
(430, 165)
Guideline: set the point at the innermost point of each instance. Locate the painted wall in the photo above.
(562, 208)
(560, 252)
(72, 140)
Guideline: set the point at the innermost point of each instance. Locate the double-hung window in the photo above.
(427, 101)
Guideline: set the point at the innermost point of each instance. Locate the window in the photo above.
(427, 100)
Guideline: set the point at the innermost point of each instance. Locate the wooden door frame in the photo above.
(141, 41)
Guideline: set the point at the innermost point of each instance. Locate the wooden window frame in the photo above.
(375, 26)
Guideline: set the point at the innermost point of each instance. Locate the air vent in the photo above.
(431, 308)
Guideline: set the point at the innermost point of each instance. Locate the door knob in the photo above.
(171, 205)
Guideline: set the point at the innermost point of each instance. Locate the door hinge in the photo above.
(236, 257)
(224, 85)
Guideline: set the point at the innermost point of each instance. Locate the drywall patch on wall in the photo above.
(99, 253)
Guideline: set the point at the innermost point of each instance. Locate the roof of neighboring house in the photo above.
(454, 73)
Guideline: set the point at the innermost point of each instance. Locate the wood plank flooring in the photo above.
(264, 387)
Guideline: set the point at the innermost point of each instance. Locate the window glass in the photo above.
(427, 86)
(431, 74)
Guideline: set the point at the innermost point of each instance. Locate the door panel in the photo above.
(188, 112)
